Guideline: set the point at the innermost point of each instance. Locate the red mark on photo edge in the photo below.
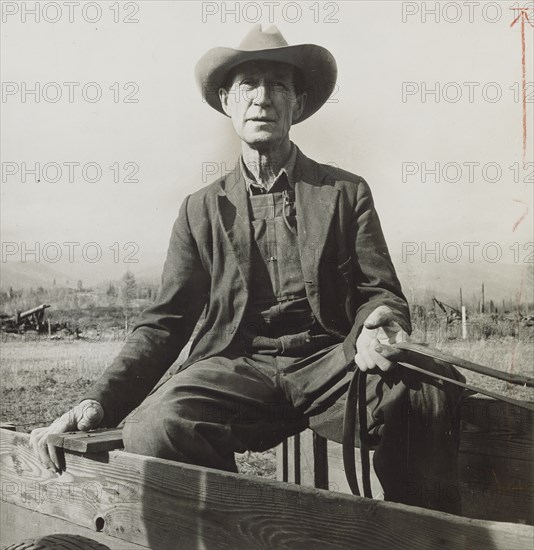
(523, 215)
(523, 16)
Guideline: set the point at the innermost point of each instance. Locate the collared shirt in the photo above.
(255, 188)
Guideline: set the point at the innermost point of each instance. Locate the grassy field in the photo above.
(505, 354)
(40, 380)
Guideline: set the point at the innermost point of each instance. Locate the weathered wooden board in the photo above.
(8, 426)
(498, 429)
(490, 487)
(20, 524)
(313, 460)
(496, 462)
(166, 505)
(496, 488)
(336, 473)
(88, 442)
(319, 463)
(308, 460)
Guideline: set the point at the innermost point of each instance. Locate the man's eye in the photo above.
(279, 86)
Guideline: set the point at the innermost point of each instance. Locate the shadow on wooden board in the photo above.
(166, 505)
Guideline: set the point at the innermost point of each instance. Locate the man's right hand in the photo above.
(85, 416)
(380, 331)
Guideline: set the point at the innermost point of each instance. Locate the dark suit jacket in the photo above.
(345, 263)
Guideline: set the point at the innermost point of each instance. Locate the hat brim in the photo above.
(316, 64)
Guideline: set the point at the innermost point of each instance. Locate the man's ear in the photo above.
(300, 103)
(223, 96)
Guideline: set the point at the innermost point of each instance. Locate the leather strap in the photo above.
(415, 351)
(405, 354)
(349, 425)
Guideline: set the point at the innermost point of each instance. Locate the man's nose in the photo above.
(262, 95)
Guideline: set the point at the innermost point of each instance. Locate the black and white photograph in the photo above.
(267, 275)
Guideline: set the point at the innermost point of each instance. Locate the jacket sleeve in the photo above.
(162, 331)
(376, 279)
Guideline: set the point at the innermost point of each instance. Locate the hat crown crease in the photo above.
(257, 39)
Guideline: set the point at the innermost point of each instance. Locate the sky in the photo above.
(151, 131)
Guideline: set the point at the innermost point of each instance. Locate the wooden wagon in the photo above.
(125, 501)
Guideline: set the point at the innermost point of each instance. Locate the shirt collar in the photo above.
(288, 169)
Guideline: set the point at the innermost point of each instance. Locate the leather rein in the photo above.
(415, 357)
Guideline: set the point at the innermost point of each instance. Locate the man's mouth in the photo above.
(260, 119)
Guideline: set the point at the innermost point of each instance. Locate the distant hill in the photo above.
(20, 275)
(502, 281)
(23, 275)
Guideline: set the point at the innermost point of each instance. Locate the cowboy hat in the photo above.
(316, 64)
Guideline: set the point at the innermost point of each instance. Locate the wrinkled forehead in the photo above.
(266, 69)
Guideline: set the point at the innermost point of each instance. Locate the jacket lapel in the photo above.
(233, 209)
(316, 204)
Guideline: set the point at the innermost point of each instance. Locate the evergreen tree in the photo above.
(128, 294)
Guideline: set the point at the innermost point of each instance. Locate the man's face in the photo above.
(262, 102)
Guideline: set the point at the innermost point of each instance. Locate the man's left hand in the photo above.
(380, 331)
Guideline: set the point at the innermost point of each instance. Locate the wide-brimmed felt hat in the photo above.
(316, 64)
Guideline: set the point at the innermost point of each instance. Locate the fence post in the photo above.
(464, 324)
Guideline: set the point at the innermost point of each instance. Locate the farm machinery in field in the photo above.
(32, 319)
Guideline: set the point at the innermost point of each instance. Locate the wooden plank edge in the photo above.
(8, 426)
(20, 524)
(201, 495)
(88, 442)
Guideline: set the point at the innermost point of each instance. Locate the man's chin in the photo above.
(260, 139)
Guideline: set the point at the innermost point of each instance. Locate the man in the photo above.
(288, 260)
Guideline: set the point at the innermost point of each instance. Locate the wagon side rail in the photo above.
(155, 503)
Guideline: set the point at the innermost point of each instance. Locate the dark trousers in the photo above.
(223, 405)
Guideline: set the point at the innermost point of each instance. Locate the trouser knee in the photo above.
(173, 433)
(139, 435)
(437, 400)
